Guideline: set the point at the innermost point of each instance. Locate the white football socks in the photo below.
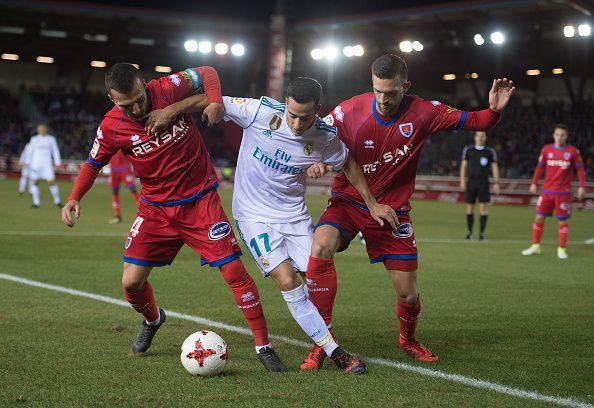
(55, 193)
(23, 184)
(34, 190)
(307, 316)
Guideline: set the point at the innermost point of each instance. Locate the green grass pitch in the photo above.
(489, 313)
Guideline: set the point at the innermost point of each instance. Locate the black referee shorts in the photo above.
(477, 189)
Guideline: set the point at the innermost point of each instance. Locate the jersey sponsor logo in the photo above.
(267, 133)
(565, 206)
(178, 131)
(308, 148)
(95, 148)
(339, 113)
(394, 157)
(276, 162)
(369, 144)
(564, 164)
(484, 161)
(238, 101)
(566, 156)
(406, 129)
(329, 119)
(403, 230)
(99, 133)
(275, 122)
(219, 230)
(135, 140)
(175, 79)
(435, 103)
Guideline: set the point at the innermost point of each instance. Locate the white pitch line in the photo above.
(469, 381)
(76, 234)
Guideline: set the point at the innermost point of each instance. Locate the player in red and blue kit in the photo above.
(385, 131)
(179, 203)
(120, 172)
(558, 162)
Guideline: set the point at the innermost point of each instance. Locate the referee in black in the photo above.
(476, 161)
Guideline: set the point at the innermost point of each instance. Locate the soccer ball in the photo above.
(204, 353)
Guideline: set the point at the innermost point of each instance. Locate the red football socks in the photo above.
(115, 204)
(143, 302)
(563, 234)
(408, 316)
(537, 230)
(247, 298)
(322, 285)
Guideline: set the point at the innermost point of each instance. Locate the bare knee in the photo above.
(409, 298)
(134, 277)
(325, 243)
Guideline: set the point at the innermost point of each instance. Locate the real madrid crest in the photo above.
(275, 122)
(265, 262)
(308, 148)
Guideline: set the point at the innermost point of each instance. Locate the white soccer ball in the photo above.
(204, 353)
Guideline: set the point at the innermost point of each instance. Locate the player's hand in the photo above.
(213, 113)
(380, 212)
(581, 193)
(463, 185)
(500, 93)
(71, 205)
(318, 170)
(496, 188)
(533, 188)
(158, 121)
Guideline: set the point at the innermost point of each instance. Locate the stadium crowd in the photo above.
(73, 119)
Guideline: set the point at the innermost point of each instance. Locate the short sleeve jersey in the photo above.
(174, 167)
(559, 163)
(272, 163)
(388, 149)
(479, 159)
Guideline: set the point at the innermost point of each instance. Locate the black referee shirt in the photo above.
(479, 158)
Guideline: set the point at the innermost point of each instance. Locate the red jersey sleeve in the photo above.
(539, 166)
(182, 84)
(104, 145)
(579, 167)
(341, 117)
(444, 117)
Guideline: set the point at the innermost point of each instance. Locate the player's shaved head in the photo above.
(304, 90)
(390, 66)
(122, 77)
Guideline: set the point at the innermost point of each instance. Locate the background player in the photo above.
(397, 125)
(120, 172)
(179, 202)
(43, 157)
(280, 142)
(476, 161)
(24, 160)
(558, 161)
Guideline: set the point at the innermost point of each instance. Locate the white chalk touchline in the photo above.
(76, 234)
(469, 381)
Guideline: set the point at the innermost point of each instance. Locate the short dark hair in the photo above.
(304, 89)
(390, 66)
(121, 77)
(562, 126)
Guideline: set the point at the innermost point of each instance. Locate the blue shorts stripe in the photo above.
(338, 227)
(544, 214)
(402, 257)
(196, 196)
(142, 262)
(563, 217)
(222, 261)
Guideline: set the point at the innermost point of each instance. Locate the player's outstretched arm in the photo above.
(379, 212)
(84, 182)
(158, 120)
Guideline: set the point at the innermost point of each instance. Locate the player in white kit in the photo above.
(281, 143)
(23, 160)
(42, 158)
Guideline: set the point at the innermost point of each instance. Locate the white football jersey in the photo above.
(272, 163)
(42, 150)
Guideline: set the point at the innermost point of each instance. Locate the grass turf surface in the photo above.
(488, 312)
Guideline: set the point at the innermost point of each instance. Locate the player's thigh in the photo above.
(337, 227)
(205, 228)
(395, 248)
(265, 243)
(545, 205)
(284, 276)
(563, 207)
(298, 237)
(152, 241)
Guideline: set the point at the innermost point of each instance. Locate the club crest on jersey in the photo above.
(406, 129)
(275, 122)
(308, 148)
(566, 156)
(329, 120)
(403, 230)
(265, 262)
(219, 230)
